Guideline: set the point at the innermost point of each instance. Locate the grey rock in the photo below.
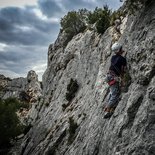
(86, 59)
(14, 87)
(23, 88)
(3, 84)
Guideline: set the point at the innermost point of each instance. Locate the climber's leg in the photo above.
(113, 99)
(114, 95)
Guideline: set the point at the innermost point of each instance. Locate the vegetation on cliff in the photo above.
(10, 126)
(134, 4)
(77, 21)
(72, 24)
(102, 18)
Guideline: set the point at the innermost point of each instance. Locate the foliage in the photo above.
(100, 16)
(10, 126)
(26, 128)
(77, 21)
(24, 96)
(71, 89)
(134, 5)
(73, 23)
(72, 129)
(116, 15)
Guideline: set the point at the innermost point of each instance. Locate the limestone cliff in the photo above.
(3, 84)
(74, 125)
(27, 90)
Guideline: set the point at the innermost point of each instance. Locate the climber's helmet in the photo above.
(116, 47)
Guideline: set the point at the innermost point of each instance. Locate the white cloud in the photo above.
(39, 14)
(11, 74)
(55, 20)
(17, 3)
(2, 47)
(40, 69)
(24, 28)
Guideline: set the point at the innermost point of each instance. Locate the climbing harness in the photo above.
(112, 78)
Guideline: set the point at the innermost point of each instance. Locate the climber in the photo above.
(114, 78)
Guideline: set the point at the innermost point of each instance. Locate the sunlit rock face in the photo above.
(74, 124)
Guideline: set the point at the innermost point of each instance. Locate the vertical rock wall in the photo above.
(76, 126)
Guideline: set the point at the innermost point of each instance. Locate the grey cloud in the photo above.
(21, 59)
(12, 19)
(26, 38)
(49, 7)
(77, 4)
(52, 7)
(18, 16)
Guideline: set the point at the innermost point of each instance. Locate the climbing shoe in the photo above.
(107, 115)
(112, 110)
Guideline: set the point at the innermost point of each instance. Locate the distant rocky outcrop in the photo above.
(3, 84)
(25, 89)
(75, 126)
(15, 87)
(33, 87)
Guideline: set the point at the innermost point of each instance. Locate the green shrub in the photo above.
(10, 126)
(72, 129)
(100, 16)
(47, 104)
(115, 15)
(26, 128)
(71, 89)
(23, 96)
(93, 16)
(72, 24)
(134, 5)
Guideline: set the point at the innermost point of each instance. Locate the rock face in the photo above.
(75, 125)
(26, 89)
(3, 84)
(14, 87)
(33, 87)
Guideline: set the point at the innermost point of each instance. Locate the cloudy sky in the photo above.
(27, 27)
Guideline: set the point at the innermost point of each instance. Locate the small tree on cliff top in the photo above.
(72, 24)
(102, 17)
